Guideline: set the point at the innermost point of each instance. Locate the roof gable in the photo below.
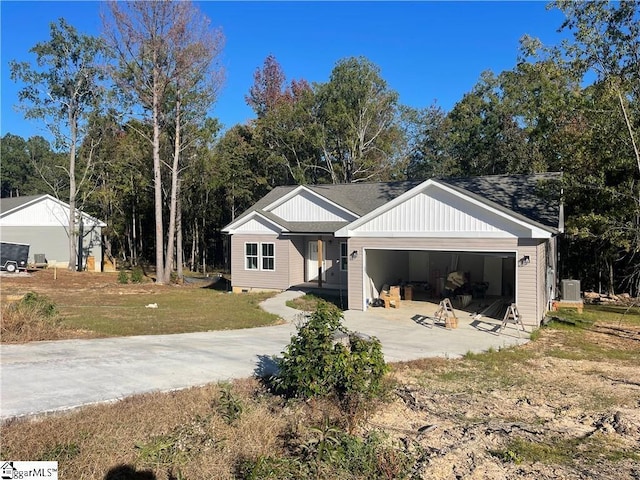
(39, 210)
(305, 205)
(255, 222)
(433, 208)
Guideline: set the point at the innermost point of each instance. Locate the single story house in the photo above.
(499, 231)
(42, 221)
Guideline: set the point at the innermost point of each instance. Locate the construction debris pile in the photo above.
(595, 298)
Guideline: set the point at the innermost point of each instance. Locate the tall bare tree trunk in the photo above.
(171, 233)
(73, 253)
(179, 252)
(194, 240)
(157, 179)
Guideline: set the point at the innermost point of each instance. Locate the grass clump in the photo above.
(137, 275)
(34, 317)
(326, 451)
(309, 302)
(229, 405)
(565, 451)
(123, 277)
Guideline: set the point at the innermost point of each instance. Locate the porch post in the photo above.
(320, 262)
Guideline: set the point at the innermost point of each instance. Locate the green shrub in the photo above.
(324, 359)
(123, 277)
(40, 304)
(137, 275)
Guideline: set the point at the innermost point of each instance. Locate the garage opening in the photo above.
(476, 282)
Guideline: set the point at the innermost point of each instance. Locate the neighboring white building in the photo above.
(42, 222)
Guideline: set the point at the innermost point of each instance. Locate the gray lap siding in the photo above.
(246, 279)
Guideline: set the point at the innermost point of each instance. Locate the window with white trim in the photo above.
(268, 256)
(260, 256)
(343, 257)
(251, 256)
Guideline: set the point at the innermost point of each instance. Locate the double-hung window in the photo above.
(343, 256)
(268, 256)
(251, 256)
(260, 256)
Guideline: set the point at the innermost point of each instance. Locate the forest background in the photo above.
(134, 146)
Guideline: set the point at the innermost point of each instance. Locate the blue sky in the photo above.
(427, 51)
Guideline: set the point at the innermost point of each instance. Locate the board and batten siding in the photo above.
(306, 207)
(248, 280)
(446, 214)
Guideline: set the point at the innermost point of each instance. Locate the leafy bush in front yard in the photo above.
(324, 359)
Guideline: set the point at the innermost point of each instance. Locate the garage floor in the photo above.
(428, 307)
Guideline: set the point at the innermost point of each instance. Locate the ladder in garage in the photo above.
(512, 315)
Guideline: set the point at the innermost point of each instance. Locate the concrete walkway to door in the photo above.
(42, 377)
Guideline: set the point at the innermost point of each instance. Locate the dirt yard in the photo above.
(564, 406)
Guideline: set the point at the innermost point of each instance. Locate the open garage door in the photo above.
(483, 278)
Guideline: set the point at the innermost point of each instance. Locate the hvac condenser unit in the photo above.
(571, 290)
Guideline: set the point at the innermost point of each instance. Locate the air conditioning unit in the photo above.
(571, 290)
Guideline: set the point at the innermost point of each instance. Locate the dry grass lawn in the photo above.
(96, 305)
(566, 405)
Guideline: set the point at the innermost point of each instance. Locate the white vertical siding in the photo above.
(257, 225)
(306, 207)
(438, 212)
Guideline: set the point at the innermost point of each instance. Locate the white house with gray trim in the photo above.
(499, 230)
(42, 222)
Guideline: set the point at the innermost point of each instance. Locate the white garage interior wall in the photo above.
(394, 267)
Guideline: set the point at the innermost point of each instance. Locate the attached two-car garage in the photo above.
(437, 228)
(432, 274)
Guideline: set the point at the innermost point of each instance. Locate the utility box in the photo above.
(571, 290)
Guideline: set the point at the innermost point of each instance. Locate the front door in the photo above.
(312, 261)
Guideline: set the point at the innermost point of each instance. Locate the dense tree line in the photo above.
(573, 107)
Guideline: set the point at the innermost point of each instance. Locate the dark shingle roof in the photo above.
(534, 197)
(530, 197)
(10, 203)
(361, 198)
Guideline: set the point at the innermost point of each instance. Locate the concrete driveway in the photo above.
(44, 377)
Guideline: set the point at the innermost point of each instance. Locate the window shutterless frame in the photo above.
(260, 256)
